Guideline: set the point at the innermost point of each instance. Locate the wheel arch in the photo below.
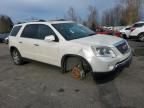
(140, 34)
(12, 48)
(65, 57)
(20, 61)
(124, 36)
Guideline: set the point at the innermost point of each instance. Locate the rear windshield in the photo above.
(15, 31)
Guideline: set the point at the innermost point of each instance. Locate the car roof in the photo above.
(139, 22)
(44, 22)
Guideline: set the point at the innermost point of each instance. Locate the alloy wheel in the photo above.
(15, 56)
(141, 37)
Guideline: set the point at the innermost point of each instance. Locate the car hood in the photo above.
(98, 40)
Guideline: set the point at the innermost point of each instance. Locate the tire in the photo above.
(16, 56)
(124, 36)
(76, 66)
(6, 42)
(141, 37)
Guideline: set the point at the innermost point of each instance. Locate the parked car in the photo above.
(125, 32)
(100, 30)
(6, 40)
(137, 31)
(118, 34)
(2, 38)
(110, 28)
(71, 46)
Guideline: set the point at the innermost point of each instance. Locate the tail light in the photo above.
(132, 29)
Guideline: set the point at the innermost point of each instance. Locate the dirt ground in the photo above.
(38, 85)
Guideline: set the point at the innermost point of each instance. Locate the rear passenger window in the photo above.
(15, 31)
(37, 31)
(30, 31)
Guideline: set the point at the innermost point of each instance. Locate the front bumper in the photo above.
(105, 65)
(124, 63)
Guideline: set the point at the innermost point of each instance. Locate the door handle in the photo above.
(20, 42)
(35, 44)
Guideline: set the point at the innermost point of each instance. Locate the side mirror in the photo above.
(49, 38)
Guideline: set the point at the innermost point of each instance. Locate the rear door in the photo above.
(13, 37)
(33, 45)
(27, 41)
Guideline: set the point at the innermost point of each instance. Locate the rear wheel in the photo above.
(141, 37)
(124, 36)
(17, 59)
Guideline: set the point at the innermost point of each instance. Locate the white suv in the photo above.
(68, 45)
(125, 32)
(137, 31)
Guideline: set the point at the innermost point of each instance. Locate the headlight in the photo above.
(104, 52)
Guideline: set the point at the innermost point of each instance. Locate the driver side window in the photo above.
(44, 31)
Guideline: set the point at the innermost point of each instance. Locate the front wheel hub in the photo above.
(77, 72)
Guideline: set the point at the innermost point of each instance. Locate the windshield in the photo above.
(72, 31)
(138, 25)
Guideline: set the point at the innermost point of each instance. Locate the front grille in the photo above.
(123, 47)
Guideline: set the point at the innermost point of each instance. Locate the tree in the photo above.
(72, 14)
(92, 17)
(126, 12)
(6, 24)
(108, 18)
(131, 12)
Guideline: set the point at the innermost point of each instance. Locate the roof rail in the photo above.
(40, 20)
(59, 20)
(21, 22)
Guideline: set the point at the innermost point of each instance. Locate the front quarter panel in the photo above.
(137, 31)
(68, 48)
(98, 64)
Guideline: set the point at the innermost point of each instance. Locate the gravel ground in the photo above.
(38, 85)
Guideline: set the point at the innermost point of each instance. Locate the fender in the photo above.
(63, 66)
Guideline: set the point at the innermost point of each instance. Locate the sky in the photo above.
(21, 10)
(142, 13)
